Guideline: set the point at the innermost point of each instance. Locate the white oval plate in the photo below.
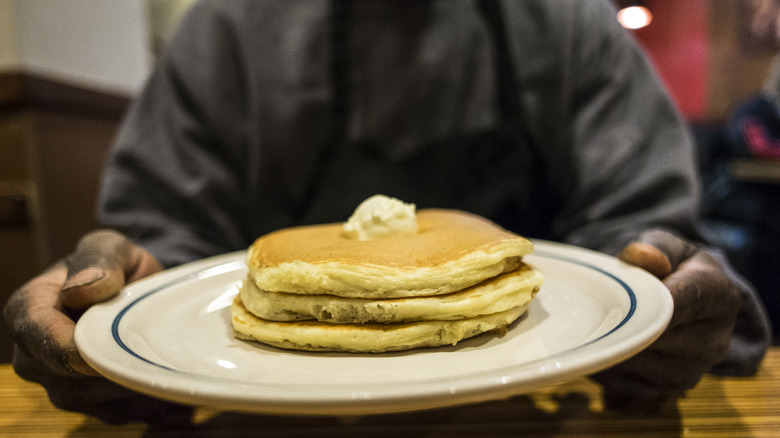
(169, 336)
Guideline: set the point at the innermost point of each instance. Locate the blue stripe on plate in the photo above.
(204, 273)
(225, 267)
(626, 287)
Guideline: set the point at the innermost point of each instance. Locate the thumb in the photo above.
(103, 262)
(658, 252)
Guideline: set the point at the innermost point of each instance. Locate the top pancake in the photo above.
(452, 250)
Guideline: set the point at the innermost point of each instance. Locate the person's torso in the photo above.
(404, 105)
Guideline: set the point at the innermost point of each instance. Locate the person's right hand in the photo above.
(42, 317)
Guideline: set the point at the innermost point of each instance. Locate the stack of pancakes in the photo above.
(311, 288)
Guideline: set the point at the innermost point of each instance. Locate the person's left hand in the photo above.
(706, 303)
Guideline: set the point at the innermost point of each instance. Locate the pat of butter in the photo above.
(380, 217)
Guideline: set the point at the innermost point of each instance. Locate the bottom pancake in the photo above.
(365, 338)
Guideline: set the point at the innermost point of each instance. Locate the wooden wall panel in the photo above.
(737, 70)
(53, 142)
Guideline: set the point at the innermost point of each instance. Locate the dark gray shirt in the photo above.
(234, 134)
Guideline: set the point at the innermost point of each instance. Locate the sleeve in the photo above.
(622, 156)
(619, 157)
(174, 178)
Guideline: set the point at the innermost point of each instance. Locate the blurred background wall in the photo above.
(704, 52)
(68, 70)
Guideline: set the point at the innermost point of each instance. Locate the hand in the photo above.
(42, 318)
(706, 303)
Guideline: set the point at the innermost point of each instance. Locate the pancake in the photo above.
(452, 250)
(365, 338)
(497, 294)
(386, 280)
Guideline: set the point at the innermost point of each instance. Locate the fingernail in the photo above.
(647, 256)
(84, 277)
